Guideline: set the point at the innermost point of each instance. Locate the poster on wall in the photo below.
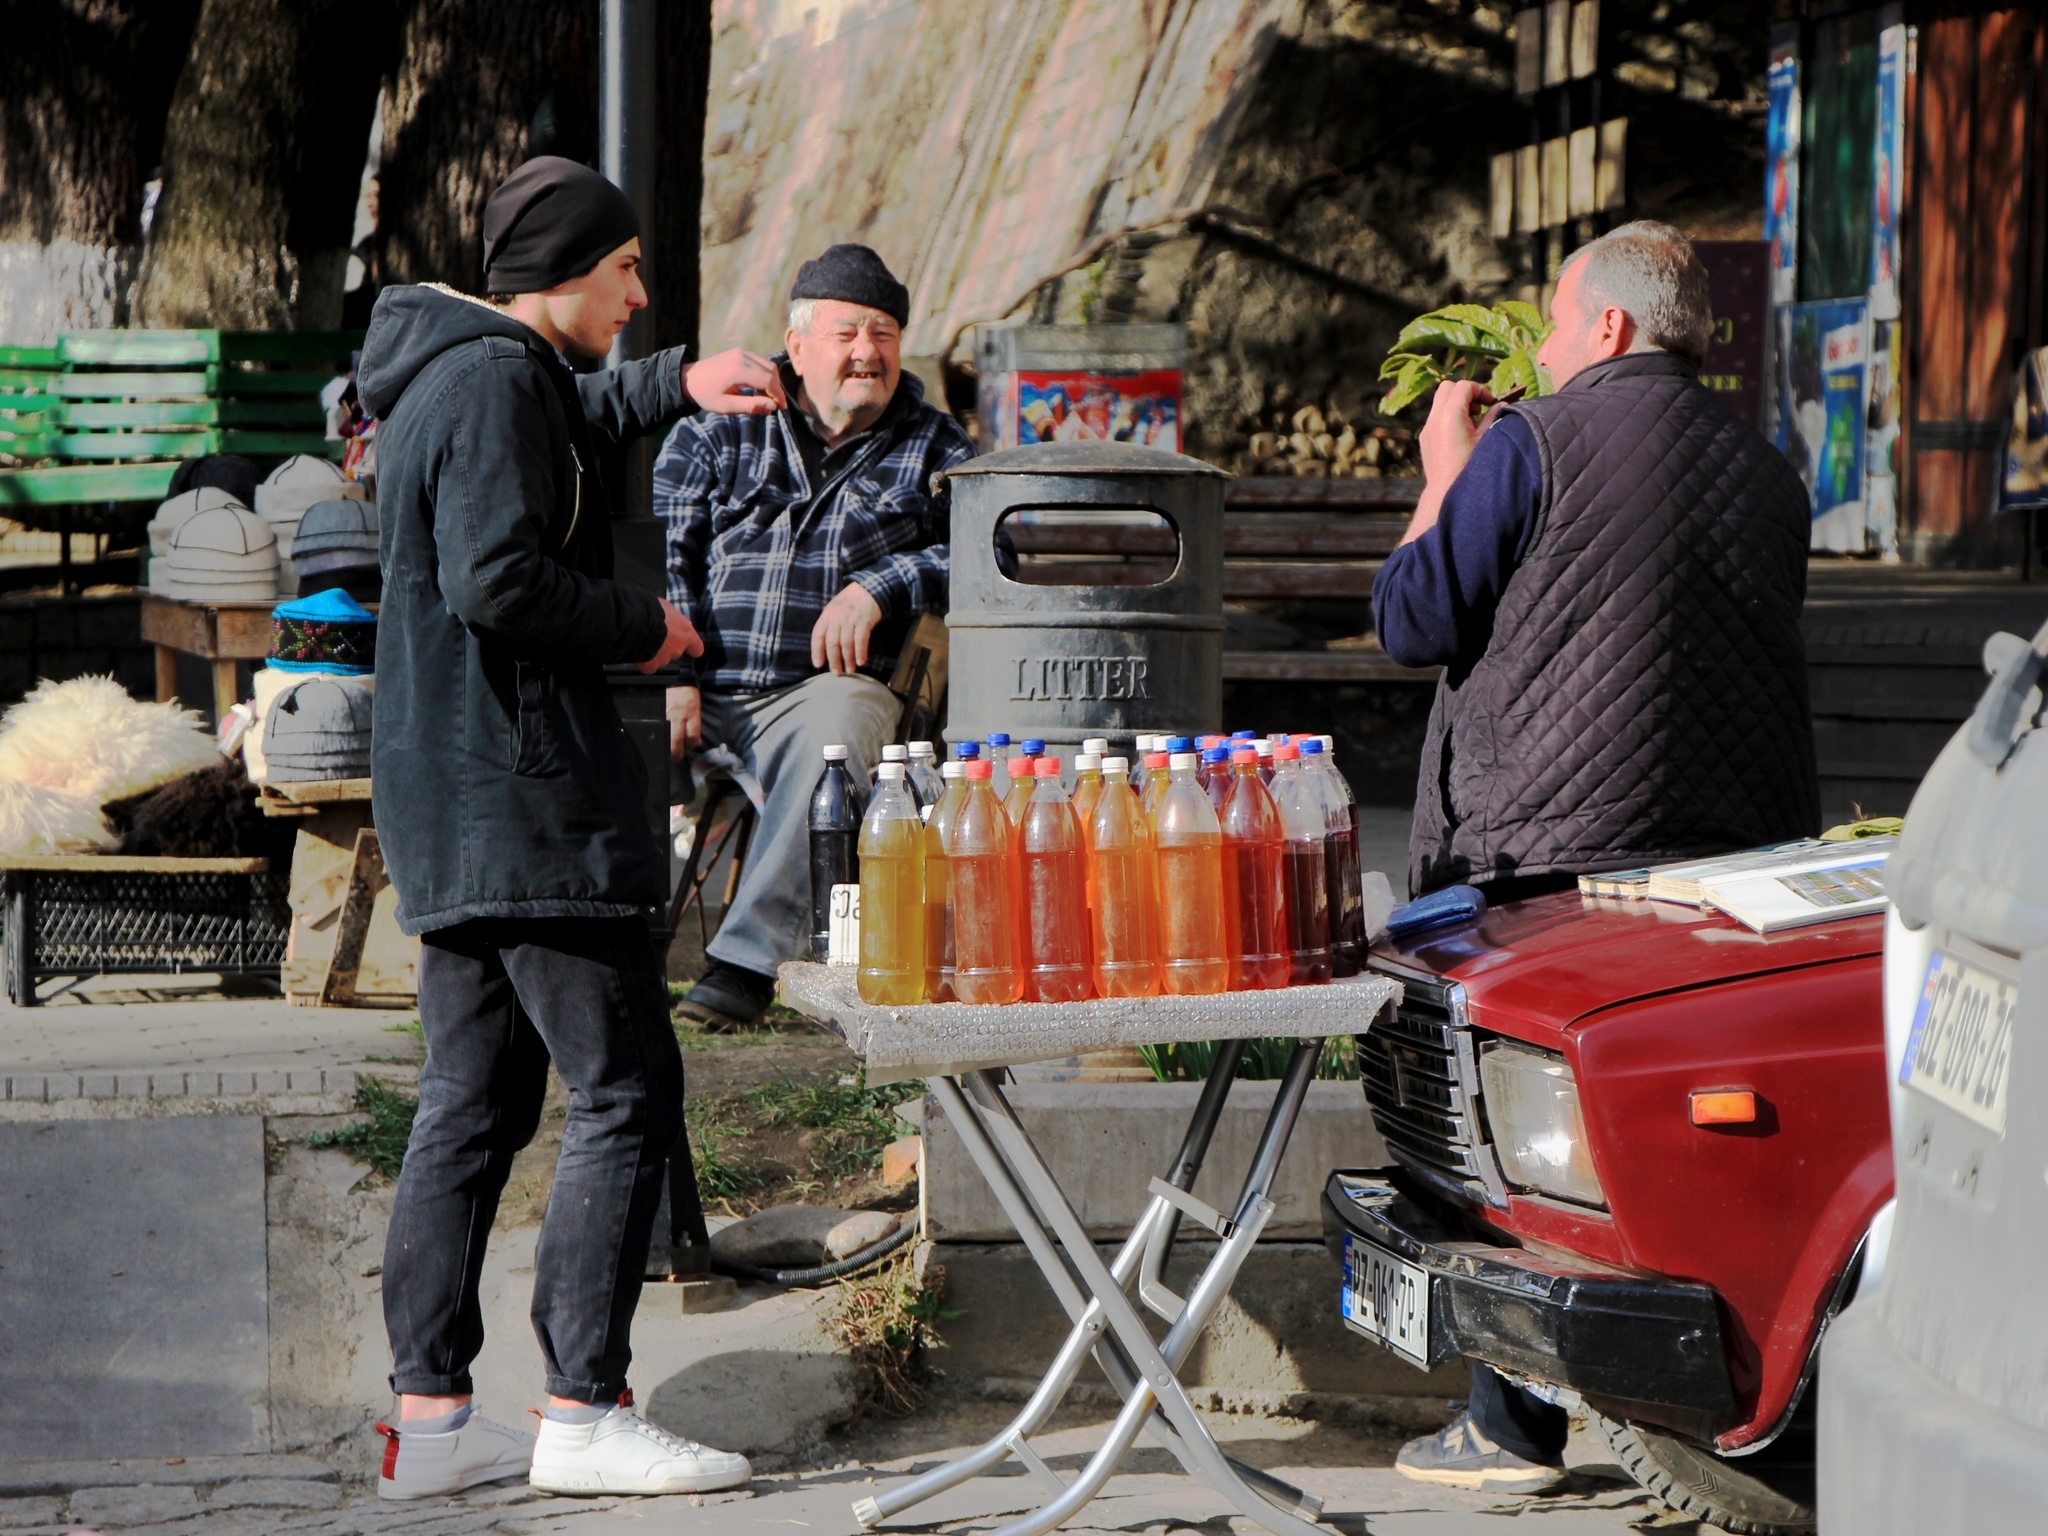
(2026, 457)
(1881, 440)
(1823, 378)
(1781, 171)
(1890, 151)
(1142, 408)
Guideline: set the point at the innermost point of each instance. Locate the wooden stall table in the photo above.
(223, 632)
(347, 950)
(961, 1050)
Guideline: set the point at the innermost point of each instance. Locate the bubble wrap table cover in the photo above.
(945, 1039)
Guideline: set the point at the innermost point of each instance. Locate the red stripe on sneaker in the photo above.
(626, 1398)
(390, 1451)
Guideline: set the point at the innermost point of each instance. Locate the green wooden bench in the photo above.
(107, 415)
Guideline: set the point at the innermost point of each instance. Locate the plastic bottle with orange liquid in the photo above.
(1303, 868)
(1253, 843)
(1126, 912)
(986, 965)
(1156, 775)
(1193, 959)
(1058, 946)
(891, 893)
(938, 885)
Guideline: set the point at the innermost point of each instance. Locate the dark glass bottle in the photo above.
(837, 806)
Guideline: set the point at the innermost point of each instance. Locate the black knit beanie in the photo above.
(552, 220)
(853, 274)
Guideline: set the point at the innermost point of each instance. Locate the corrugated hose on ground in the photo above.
(822, 1272)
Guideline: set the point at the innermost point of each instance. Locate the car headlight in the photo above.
(1532, 1105)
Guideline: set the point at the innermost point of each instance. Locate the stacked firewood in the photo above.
(1310, 441)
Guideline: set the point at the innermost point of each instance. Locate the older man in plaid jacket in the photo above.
(802, 545)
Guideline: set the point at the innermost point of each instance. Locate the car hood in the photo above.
(1532, 969)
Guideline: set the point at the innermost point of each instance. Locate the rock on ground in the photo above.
(800, 1236)
(132, 1506)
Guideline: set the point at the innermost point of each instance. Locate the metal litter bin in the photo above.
(1035, 656)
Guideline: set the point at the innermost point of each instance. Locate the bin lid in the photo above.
(1085, 458)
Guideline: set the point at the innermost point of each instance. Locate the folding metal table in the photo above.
(961, 1050)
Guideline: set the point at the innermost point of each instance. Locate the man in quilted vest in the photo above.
(1611, 577)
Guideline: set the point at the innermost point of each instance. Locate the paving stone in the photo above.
(39, 1511)
(271, 1082)
(57, 1477)
(133, 1506)
(276, 1493)
(99, 1085)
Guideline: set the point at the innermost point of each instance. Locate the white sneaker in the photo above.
(623, 1453)
(417, 1466)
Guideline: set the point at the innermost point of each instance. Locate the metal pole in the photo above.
(626, 132)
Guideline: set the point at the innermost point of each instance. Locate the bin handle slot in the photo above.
(1088, 544)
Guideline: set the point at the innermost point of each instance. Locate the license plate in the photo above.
(1387, 1298)
(1961, 1044)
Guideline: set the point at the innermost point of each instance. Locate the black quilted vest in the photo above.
(1643, 697)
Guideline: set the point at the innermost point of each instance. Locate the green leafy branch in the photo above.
(1466, 341)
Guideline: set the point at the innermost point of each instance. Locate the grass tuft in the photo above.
(886, 1317)
(379, 1139)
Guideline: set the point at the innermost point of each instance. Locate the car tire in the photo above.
(1768, 1494)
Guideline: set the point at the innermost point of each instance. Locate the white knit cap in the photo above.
(301, 481)
(178, 508)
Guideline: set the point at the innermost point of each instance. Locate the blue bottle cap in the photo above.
(1034, 747)
(1216, 755)
(968, 750)
(1309, 746)
(998, 738)
(1244, 735)
(1181, 744)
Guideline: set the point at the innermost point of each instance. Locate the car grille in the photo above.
(1422, 1086)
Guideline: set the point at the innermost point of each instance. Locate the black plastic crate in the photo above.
(91, 916)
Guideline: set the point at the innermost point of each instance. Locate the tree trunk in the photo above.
(83, 93)
(479, 86)
(263, 158)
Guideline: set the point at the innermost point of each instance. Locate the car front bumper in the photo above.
(1636, 1345)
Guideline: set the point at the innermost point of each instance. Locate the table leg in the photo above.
(223, 688)
(166, 674)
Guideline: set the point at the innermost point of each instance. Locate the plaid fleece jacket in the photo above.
(755, 551)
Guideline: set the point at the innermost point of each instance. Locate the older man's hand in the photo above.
(685, 721)
(735, 383)
(839, 639)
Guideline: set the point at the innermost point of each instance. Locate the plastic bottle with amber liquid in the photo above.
(1125, 916)
(1143, 748)
(891, 893)
(1157, 775)
(938, 884)
(1254, 886)
(1087, 791)
(1193, 955)
(986, 965)
(1306, 891)
(1341, 874)
(1058, 947)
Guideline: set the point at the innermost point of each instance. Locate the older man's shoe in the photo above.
(1460, 1456)
(728, 997)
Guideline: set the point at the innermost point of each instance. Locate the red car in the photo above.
(1638, 1150)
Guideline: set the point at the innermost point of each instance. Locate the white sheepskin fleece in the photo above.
(38, 821)
(89, 738)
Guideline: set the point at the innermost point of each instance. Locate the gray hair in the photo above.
(801, 313)
(1650, 271)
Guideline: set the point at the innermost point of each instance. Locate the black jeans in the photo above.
(500, 998)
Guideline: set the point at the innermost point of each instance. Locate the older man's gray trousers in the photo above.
(781, 736)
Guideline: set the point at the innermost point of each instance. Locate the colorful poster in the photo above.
(1141, 408)
(1881, 440)
(1781, 171)
(1823, 353)
(1890, 151)
(2026, 458)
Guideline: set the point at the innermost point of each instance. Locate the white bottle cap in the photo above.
(921, 749)
(895, 754)
(1088, 762)
(1115, 767)
(1095, 745)
(1144, 745)
(892, 773)
(1329, 743)
(952, 770)
(1181, 760)
(1263, 746)
(835, 754)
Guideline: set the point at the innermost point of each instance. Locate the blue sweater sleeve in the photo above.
(1433, 601)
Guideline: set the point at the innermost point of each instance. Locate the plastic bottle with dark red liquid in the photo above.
(1254, 842)
(837, 805)
(1304, 878)
(1341, 873)
(1058, 946)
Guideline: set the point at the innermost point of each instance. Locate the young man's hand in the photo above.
(685, 721)
(679, 638)
(735, 383)
(839, 639)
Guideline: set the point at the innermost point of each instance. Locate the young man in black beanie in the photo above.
(510, 810)
(803, 544)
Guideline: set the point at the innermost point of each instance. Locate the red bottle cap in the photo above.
(1046, 768)
(980, 768)
(1285, 753)
(1211, 741)
(1244, 755)
(1155, 759)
